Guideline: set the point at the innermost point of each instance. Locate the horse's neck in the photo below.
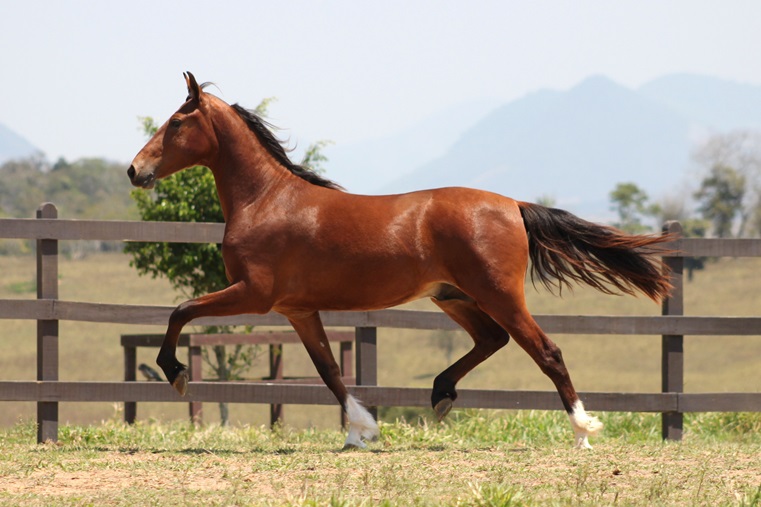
(245, 172)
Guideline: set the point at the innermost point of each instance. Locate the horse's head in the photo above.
(185, 140)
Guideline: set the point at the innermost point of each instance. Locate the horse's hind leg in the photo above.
(488, 337)
(312, 334)
(511, 313)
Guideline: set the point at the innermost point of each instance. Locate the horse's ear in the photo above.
(194, 91)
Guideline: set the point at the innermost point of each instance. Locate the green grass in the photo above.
(476, 458)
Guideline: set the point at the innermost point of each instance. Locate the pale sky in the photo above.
(75, 75)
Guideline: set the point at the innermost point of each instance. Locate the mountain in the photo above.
(573, 146)
(13, 145)
(708, 101)
(370, 165)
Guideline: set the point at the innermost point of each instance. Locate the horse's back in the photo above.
(452, 201)
(457, 231)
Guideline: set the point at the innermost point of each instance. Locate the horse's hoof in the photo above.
(181, 382)
(442, 408)
(353, 446)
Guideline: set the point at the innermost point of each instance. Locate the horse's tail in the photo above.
(564, 248)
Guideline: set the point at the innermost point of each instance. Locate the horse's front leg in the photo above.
(230, 301)
(361, 423)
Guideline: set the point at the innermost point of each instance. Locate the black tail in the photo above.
(564, 248)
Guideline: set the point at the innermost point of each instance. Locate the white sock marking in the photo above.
(583, 425)
(362, 426)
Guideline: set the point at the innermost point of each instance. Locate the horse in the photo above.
(296, 243)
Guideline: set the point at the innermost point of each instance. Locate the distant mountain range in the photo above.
(13, 145)
(573, 146)
(370, 165)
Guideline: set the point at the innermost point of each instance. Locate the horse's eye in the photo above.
(175, 123)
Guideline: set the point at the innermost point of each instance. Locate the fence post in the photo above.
(130, 375)
(195, 363)
(47, 330)
(366, 339)
(276, 373)
(672, 346)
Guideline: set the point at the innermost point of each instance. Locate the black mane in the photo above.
(261, 128)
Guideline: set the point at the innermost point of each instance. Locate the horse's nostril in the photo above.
(131, 172)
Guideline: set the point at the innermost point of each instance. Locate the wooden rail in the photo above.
(274, 340)
(48, 310)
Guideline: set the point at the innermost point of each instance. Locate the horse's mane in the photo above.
(262, 130)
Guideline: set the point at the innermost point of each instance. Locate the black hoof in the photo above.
(180, 383)
(177, 375)
(443, 396)
(442, 408)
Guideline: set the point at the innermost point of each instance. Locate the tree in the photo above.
(720, 198)
(314, 158)
(547, 201)
(630, 202)
(731, 165)
(196, 269)
(86, 188)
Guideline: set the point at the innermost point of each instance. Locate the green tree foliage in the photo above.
(314, 158)
(546, 200)
(730, 191)
(194, 269)
(87, 188)
(630, 203)
(720, 198)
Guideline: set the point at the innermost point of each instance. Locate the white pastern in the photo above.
(583, 425)
(362, 426)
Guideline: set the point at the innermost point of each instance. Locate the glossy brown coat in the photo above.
(295, 244)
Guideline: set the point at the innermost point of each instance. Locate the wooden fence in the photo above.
(48, 310)
(273, 339)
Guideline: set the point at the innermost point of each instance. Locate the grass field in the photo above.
(406, 358)
(476, 458)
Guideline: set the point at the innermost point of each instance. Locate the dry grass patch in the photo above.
(477, 458)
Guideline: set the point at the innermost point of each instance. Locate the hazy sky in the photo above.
(75, 75)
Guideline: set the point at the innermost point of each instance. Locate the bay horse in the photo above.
(295, 243)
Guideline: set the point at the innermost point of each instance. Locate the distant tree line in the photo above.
(721, 197)
(87, 188)
(724, 201)
(91, 188)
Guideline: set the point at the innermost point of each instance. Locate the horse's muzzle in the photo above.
(140, 180)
